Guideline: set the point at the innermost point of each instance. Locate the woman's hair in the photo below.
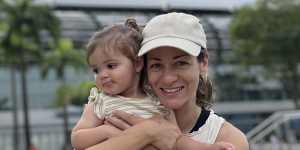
(205, 88)
(125, 38)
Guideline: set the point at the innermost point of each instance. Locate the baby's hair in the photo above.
(120, 38)
(125, 38)
(131, 23)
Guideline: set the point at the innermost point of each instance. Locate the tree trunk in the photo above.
(66, 121)
(296, 89)
(25, 103)
(66, 126)
(15, 108)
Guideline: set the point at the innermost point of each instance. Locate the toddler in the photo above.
(112, 56)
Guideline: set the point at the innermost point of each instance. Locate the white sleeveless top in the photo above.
(208, 132)
(105, 104)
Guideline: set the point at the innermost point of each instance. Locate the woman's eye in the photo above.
(181, 63)
(155, 67)
(112, 66)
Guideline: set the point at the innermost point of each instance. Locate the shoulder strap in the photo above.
(201, 120)
(93, 94)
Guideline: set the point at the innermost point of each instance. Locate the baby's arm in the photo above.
(90, 130)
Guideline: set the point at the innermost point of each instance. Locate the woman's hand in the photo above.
(164, 133)
(123, 120)
(111, 131)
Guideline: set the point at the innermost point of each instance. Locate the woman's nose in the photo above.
(169, 77)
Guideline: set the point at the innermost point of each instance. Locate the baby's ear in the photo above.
(139, 64)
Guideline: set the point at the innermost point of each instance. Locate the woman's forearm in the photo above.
(187, 143)
(84, 138)
(133, 138)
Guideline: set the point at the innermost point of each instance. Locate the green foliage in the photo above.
(63, 55)
(22, 24)
(77, 95)
(267, 34)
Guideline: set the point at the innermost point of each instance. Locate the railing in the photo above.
(257, 134)
(44, 137)
(274, 146)
(268, 122)
(51, 137)
(6, 140)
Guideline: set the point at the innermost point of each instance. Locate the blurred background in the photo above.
(254, 48)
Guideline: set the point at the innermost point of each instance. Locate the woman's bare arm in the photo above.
(155, 131)
(229, 138)
(231, 134)
(134, 138)
(187, 143)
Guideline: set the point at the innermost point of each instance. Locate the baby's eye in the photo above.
(95, 70)
(112, 66)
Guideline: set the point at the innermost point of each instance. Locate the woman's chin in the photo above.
(171, 104)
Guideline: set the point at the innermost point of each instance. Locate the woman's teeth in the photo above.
(172, 90)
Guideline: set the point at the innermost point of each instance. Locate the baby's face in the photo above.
(115, 74)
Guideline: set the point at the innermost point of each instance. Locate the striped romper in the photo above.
(105, 104)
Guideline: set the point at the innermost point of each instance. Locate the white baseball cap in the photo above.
(179, 30)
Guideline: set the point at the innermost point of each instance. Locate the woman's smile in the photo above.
(172, 91)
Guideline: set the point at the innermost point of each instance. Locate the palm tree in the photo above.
(63, 56)
(22, 41)
(11, 63)
(76, 94)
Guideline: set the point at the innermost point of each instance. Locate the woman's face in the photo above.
(173, 76)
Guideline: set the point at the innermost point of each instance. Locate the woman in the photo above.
(174, 48)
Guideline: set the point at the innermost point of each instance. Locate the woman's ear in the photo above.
(203, 65)
(139, 64)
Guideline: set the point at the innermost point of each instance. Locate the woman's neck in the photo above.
(187, 116)
(135, 90)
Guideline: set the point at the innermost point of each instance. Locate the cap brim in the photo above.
(182, 44)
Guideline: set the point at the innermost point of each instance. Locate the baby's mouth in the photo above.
(106, 81)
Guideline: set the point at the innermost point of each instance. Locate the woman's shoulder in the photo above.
(230, 133)
(207, 126)
(210, 121)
